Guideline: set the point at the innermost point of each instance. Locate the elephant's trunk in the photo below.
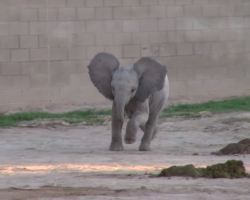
(120, 106)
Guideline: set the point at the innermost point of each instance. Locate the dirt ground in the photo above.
(68, 163)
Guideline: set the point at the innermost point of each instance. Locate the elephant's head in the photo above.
(121, 84)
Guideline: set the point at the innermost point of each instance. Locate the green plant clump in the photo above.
(229, 169)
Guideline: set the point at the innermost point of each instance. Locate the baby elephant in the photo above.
(140, 91)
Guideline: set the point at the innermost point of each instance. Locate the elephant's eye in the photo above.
(133, 90)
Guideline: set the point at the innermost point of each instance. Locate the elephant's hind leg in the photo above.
(154, 132)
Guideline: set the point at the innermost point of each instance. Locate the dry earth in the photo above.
(74, 163)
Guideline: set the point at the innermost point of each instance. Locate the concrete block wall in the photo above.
(45, 46)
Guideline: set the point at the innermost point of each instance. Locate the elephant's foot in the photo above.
(144, 147)
(129, 140)
(116, 146)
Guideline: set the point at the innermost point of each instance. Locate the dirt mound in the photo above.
(242, 147)
(229, 169)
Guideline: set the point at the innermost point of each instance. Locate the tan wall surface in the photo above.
(45, 46)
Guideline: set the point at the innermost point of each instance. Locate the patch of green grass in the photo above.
(71, 117)
(229, 105)
(89, 116)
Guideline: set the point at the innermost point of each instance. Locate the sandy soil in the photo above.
(74, 163)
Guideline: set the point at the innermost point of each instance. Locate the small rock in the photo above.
(205, 114)
(65, 123)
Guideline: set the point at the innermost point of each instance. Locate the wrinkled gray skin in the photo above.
(140, 91)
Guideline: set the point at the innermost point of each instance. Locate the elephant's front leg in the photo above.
(147, 137)
(116, 142)
(134, 123)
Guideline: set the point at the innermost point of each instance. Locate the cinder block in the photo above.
(57, 3)
(201, 2)
(158, 37)
(237, 72)
(11, 69)
(185, 49)
(103, 13)
(59, 27)
(192, 36)
(85, 39)
(37, 3)
(122, 13)
(203, 73)
(19, 28)
(80, 79)
(195, 61)
(175, 11)
(113, 26)
(131, 51)
(37, 28)
(94, 26)
(201, 23)
(166, 2)
(66, 14)
(39, 54)
(76, 53)
(148, 2)
(122, 38)
(242, 10)
(39, 81)
(228, 35)
(218, 48)
(235, 47)
(115, 50)
(192, 11)
(210, 11)
(20, 82)
(47, 41)
(19, 55)
(77, 27)
(158, 12)
(227, 10)
(219, 22)
(201, 48)
(9, 42)
(5, 82)
(112, 3)
(59, 80)
(140, 38)
(210, 36)
(76, 3)
(94, 3)
(184, 24)
(167, 49)
(49, 14)
(54, 93)
(185, 74)
(104, 39)
(4, 55)
(166, 24)
(28, 68)
(11, 96)
(130, 2)
(18, 3)
(183, 2)
(195, 87)
(151, 50)
(176, 36)
(28, 41)
(140, 12)
(131, 26)
(10, 15)
(58, 54)
(148, 25)
(236, 22)
(28, 14)
(4, 28)
(247, 22)
(92, 51)
(67, 67)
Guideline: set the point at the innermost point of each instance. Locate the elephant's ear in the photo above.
(101, 69)
(151, 77)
